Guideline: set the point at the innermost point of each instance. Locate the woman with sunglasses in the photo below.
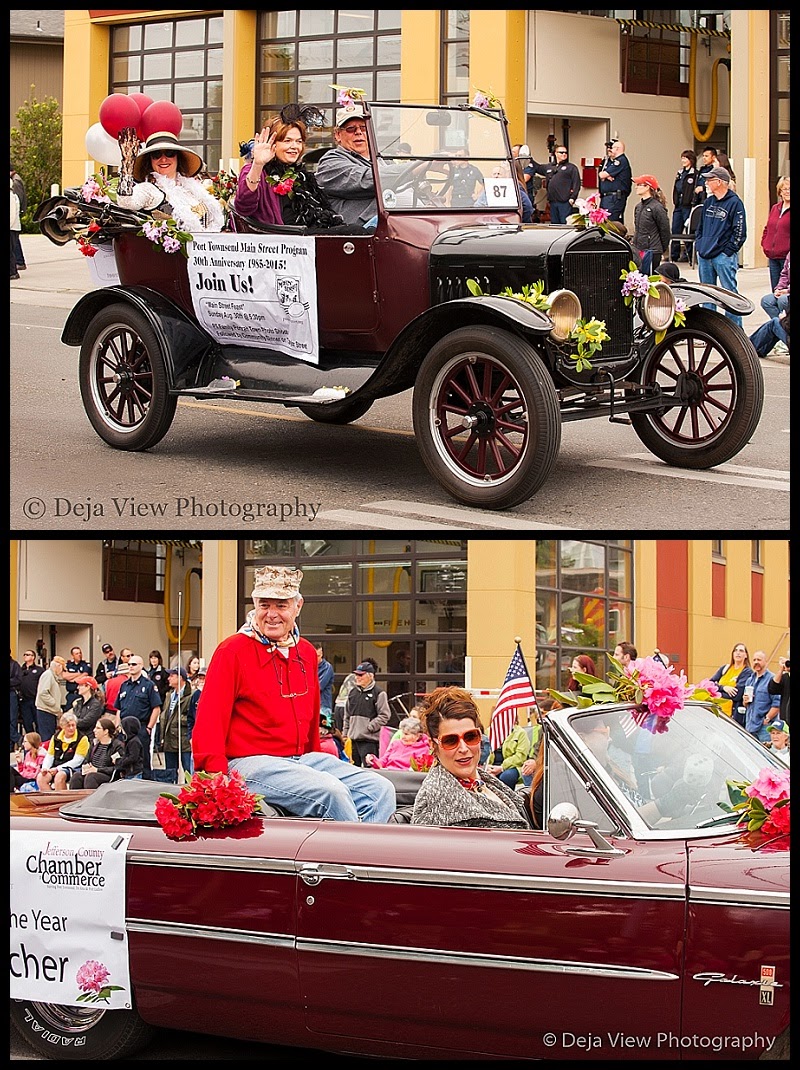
(454, 792)
(164, 171)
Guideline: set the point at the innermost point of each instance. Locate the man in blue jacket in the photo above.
(721, 232)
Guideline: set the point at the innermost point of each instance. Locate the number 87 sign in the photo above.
(500, 192)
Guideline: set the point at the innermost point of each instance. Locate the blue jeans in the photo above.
(319, 785)
(767, 335)
(720, 271)
(614, 203)
(772, 305)
(28, 711)
(775, 269)
(559, 210)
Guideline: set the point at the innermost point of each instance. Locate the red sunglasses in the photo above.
(449, 742)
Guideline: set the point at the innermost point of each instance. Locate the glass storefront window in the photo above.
(384, 578)
(582, 566)
(376, 617)
(325, 618)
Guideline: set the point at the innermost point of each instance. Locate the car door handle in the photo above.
(312, 873)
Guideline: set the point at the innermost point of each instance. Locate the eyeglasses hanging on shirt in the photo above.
(284, 671)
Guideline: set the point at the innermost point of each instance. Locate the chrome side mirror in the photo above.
(564, 821)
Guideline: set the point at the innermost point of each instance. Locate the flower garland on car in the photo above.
(167, 235)
(588, 335)
(763, 805)
(636, 284)
(207, 800)
(654, 688)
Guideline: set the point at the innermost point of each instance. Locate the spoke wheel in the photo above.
(123, 379)
(486, 417)
(711, 364)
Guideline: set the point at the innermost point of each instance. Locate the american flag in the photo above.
(516, 692)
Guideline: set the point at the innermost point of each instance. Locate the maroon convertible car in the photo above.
(641, 923)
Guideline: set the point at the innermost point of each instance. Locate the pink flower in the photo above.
(92, 976)
(599, 215)
(770, 786)
(284, 187)
(710, 686)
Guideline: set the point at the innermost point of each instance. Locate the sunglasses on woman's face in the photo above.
(169, 153)
(449, 742)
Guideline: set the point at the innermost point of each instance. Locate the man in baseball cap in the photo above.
(259, 715)
(177, 670)
(720, 234)
(366, 711)
(779, 737)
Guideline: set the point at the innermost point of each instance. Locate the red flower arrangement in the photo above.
(763, 805)
(208, 800)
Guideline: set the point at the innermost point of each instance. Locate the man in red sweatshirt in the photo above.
(260, 715)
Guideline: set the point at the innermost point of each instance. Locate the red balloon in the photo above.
(143, 102)
(162, 115)
(118, 111)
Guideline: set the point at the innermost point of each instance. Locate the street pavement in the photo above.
(58, 275)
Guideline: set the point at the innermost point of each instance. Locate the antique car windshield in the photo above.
(442, 158)
(675, 779)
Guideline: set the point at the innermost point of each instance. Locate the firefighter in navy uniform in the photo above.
(615, 180)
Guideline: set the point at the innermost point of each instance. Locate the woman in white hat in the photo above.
(164, 172)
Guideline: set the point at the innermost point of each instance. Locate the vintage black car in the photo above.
(493, 376)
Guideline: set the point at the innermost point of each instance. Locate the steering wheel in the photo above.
(408, 178)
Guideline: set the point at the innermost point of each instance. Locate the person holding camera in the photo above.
(779, 685)
(615, 180)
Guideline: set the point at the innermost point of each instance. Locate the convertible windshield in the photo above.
(677, 778)
(449, 158)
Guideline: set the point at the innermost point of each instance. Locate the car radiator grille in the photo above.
(595, 278)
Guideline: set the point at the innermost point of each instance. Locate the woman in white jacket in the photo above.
(16, 226)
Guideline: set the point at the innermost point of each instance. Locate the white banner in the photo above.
(68, 938)
(257, 290)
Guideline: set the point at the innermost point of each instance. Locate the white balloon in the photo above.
(101, 146)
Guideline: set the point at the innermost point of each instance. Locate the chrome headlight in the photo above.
(658, 312)
(565, 311)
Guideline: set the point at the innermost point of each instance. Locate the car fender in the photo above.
(184, 343)
(699, 293)
(398, 369)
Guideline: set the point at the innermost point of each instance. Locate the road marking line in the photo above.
(482, 517)
(747, 470)
(376, 520)
(703, 476)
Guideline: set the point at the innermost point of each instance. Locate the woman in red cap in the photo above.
(651, 227)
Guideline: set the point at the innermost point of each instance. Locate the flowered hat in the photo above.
(189, 163)
(276, 581)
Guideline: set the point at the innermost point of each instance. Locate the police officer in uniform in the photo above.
(615, 180)
(139, 697)
(75, 667)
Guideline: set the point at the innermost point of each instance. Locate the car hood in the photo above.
(749, 868)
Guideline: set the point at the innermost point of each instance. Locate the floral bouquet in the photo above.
(207, 800)
(589, 213)
(488, 101)
(167, 236)
(421, 764)
(222, 186)
(763, 805)
(653, 686)
(98, 189)
(347, 96)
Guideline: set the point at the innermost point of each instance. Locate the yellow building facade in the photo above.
(516, 55)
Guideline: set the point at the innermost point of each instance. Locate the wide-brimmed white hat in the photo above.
(276, 581)
(189, 163)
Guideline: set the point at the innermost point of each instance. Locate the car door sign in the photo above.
(257, 290)
(69, 944)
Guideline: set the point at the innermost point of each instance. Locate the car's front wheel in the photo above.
(486, 417)
(79, 1032)
(123, 379)
(712, 366)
